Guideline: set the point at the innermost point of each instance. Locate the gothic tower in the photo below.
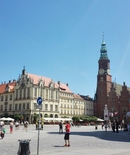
(103, 81)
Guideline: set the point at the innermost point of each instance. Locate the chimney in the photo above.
(67, 84)
(9, 81)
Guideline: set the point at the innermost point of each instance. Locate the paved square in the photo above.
(84, 140)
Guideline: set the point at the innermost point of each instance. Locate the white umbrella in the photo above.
(100, 120)
(3, 119)
(9, 119)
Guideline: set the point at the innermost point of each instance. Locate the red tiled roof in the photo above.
(36, 78)
(10, 85)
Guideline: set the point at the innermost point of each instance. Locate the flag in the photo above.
(115, 113)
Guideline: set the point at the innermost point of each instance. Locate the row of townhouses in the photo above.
(19, 97)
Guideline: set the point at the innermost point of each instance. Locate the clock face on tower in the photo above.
(108, 71)
(101, 71)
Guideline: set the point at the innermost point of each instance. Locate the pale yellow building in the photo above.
(20, 98)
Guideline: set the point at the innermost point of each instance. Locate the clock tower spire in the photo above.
(103, 80)
(104, 62)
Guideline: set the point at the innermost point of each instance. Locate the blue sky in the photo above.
(61, 39)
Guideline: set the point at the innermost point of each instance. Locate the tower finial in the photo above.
(103, 38)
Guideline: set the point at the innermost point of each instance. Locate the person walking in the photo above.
(11, 127)
(117, 126)
(106, 126)
(67, 134)
(2, 132)
(60, 128)
(128, 127)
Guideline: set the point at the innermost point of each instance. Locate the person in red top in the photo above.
(67, 134)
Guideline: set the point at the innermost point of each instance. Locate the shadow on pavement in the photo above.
(121, 136)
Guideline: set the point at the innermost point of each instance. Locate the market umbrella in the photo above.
(100, 120)
(9, 119)
(3, 119)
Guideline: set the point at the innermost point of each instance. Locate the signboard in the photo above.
(39, 100)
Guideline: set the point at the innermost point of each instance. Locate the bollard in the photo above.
(24, 148)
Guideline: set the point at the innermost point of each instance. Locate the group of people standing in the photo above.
(114, 125)
(11, 126)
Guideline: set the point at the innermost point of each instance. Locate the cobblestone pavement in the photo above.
(84, 140)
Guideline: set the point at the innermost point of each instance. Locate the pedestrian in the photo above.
(26, 125)
(113, 126)
(128, 127)
(117, 125)
(102, 125)
(2, 132)
(67, 134)
(11, 127)
(106, 126)
(16, 125)
(60, 128)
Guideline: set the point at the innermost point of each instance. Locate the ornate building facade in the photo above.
(115, 96)
(19, 97)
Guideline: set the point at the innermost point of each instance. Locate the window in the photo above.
(51, 94)
(23, 105)
(56, 107)
(10, 106)
(1, 107)
(56, 95)
(6, 98)
(46, 106)
(35, 105)
(10, 97)
(27, 105)
(35, 92)
(15, 106)
(6, 107)
(41, 91)
(24, 92)
(17, 94)
(51, 107)
(20, 93)
(20, 107)
(1, 98)
(46, 94)
(28, 92)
